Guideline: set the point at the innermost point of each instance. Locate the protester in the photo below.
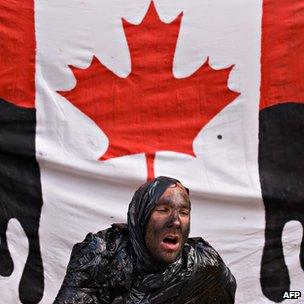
(149, 260)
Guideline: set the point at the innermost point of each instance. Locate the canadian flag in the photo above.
(96, 97)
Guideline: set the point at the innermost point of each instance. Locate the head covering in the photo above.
(140, 208)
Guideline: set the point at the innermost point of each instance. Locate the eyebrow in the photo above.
(166, 201)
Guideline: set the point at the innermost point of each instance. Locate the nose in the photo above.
(174, 220)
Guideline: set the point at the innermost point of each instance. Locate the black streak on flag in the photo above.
(20, 194)
(281, 135)
(20, 186)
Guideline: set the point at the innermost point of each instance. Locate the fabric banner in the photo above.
(97, 97)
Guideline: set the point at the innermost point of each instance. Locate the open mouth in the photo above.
(170, 242)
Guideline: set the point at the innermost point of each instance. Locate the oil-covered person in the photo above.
(150, 259)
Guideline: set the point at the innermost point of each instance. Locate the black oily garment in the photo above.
(113, 266)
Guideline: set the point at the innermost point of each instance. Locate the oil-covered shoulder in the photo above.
(89, 270)
(205, 254)
(97, 248)
(208, 259)
(209, 264)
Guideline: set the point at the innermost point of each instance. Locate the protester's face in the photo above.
(168, 227)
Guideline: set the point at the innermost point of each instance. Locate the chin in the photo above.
(168, 258)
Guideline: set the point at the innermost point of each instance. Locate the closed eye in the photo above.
(162, 210)
(184, 212)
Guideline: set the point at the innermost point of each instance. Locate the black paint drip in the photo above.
(20, 195)
(281, 167)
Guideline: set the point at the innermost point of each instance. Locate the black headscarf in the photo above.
(142, 203)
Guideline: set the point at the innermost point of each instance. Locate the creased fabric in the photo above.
(114, 266)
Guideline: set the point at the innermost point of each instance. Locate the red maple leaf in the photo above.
(150, 110)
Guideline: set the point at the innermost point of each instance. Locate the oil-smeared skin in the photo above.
(171, 216)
